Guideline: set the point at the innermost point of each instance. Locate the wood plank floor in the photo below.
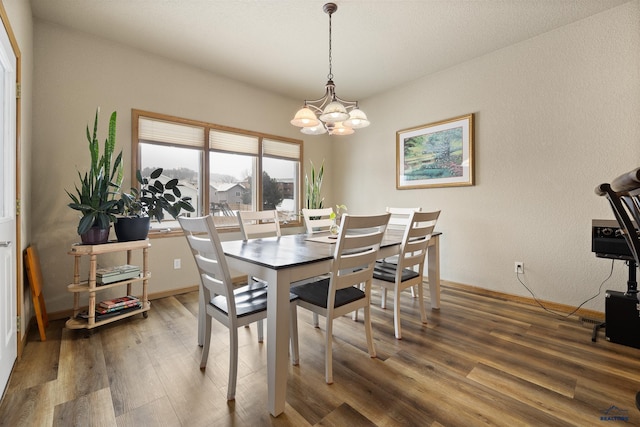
(479, 361)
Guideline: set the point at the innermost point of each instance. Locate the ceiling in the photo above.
(282, 45)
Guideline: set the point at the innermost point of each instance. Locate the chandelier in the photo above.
(330, 113)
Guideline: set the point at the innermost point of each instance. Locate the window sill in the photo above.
(160, 233)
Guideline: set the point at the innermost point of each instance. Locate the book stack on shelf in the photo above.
(114, 307)
(107, 275)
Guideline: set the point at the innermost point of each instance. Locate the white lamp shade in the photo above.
(357, 119)
(340, 129)
(305, 117)
(334, 112)
(318, 129)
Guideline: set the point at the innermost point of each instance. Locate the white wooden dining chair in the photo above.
(354, 256)
(233, 307)
(254, 224)
(317, 220)
(409, 269)
(398, 221)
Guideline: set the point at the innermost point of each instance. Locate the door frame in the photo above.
(21, 328)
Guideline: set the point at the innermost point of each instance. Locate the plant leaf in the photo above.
(156, 173)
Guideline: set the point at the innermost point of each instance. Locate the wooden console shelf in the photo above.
(90, 286)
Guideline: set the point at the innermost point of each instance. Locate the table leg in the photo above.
(433, 258)
(277, 339)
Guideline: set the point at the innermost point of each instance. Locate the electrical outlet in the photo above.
(519, 267)
(176, 264)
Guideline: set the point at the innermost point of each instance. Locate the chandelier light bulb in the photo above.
(334, 112)
(340, 129)
(318, 129)
(357, 119)
(304, 118)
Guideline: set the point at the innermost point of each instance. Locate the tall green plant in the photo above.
(313, 186)
(95, 197)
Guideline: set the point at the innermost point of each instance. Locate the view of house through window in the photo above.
(246, 170)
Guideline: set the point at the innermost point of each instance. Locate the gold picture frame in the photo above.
(437, 154)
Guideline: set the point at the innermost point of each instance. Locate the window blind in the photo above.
(280, 149)
(151, 130)
(233, 142)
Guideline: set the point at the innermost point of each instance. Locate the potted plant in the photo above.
(335, 216)
(137, 207)
(95, 197)
(313, 185)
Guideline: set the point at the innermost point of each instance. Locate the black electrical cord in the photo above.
(562, 315)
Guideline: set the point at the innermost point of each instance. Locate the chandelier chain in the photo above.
(330, 75)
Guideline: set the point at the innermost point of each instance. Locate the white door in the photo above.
(8, 286)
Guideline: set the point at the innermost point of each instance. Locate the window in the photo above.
(240, 170)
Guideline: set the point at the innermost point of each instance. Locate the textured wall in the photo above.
(554, 116)
(74, 74)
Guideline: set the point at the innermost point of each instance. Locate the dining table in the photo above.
(281, 261)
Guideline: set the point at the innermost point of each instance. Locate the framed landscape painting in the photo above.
(435, 155)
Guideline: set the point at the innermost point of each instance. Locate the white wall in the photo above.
(74, 74)
(555, 116)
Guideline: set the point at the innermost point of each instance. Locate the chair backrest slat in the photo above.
(207, 252)
(317, 220)
(357, 250)
(400, 217)
(357, 241)
(213, 273)
(255, 224)
(199, 243)
(415, 241)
